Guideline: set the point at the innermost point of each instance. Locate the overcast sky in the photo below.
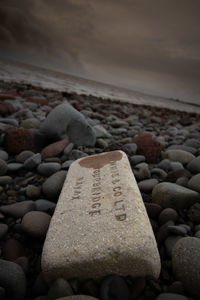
(149, 45)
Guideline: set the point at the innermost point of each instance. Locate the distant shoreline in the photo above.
(21, 73)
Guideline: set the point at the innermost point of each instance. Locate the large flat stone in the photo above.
(100, 225)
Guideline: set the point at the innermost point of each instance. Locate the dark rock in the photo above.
(36, 223)
(19, 209)
(53, 185)
(114, 287)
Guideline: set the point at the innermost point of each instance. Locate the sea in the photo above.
(12, 71)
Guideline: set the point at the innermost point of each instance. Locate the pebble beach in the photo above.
(163, 148)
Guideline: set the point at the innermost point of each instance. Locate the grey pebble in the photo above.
(147, 185)
(5, 180)
(59, 288)
(194, 183)
(18, 209)
(167, 214)
(67, 164)
(3, 155)
(33, 192)
(45, 205)
(171, 296)
(24, 155)
(194, 165)
(33, 161)
(68, 149)
(136, 159)
(178, 230)
(53, 185)
(158, 173)
(36, 223)
(12, 278)
(130, 148)
(14, 167)
(141, 171)
(170, 242)
(47, 169)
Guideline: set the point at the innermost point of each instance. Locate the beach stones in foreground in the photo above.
(186, 264)
(100, 225)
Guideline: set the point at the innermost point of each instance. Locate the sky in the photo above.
(146, 45)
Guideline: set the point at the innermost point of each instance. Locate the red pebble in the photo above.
(38, 101)
(148, 147)
(19, 140)
(7, 96)
(54, 149)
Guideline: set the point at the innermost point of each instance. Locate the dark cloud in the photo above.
(116, 40)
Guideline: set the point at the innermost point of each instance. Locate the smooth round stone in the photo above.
(163, 232)
(67, 164)
(101, 132)
(114, 287)
(136, 159)
(76, 154)
(194, 183)
(182, 147)
(59, 288)
(40, 286)
(53, 185)
(166, 215)
(158, 173)
(197, 234)
(171, 195)
(141, 171)
(186, 264)
(165, 165)
(179, 155)
(33, 161)
(130, 148)
(195, 143)
(183, 181)
(194, 165)
(176, 287)
(30, 123)
(170, 242)
(23, 156)
(12, 249)
(12, 278)
(178, 230)
(152, 209)
(23, 262)
(33, 192)
(68, 149)
(14, 167)
(47, 169)
(36, 223)
(147, 185)
(119, 123)
(3, 167)
(5, 180)
(45, 205)
(102, 143)
(3, 155)
(176, 166)
(18, 209)
(171, 296)
(3, 230)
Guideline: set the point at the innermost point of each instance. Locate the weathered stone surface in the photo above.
(100, 225)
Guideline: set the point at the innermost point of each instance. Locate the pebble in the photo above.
(114, 287)
(186, 264)
(33, 161)
(36, 223)
(166, 215)
(68, 148)
(67, 164)
(59, 288)
(174, 196)
(12, 249)
(179, 155)
(33, 192)
(195, 143)
(176, 166)
(24, 155)
(3, 230)
(30, 123)
(47, 169)
(76, 154)
(130, 148)
(53, 185)
(137, 288)
(3, 167)
(178, 230)
(165, 165)
(3, 155)
(12, 278)
(14, 167)
(182, 147)
(183, 181)
(77, 297)
(5, 180)
(136, 159)
(45, 205)
(163, 232)
(23, 262)
(19, 209)
(54, 149)
(194, 183)
(147, 185)
(194, 165)
(158, 173)
(141, 171)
